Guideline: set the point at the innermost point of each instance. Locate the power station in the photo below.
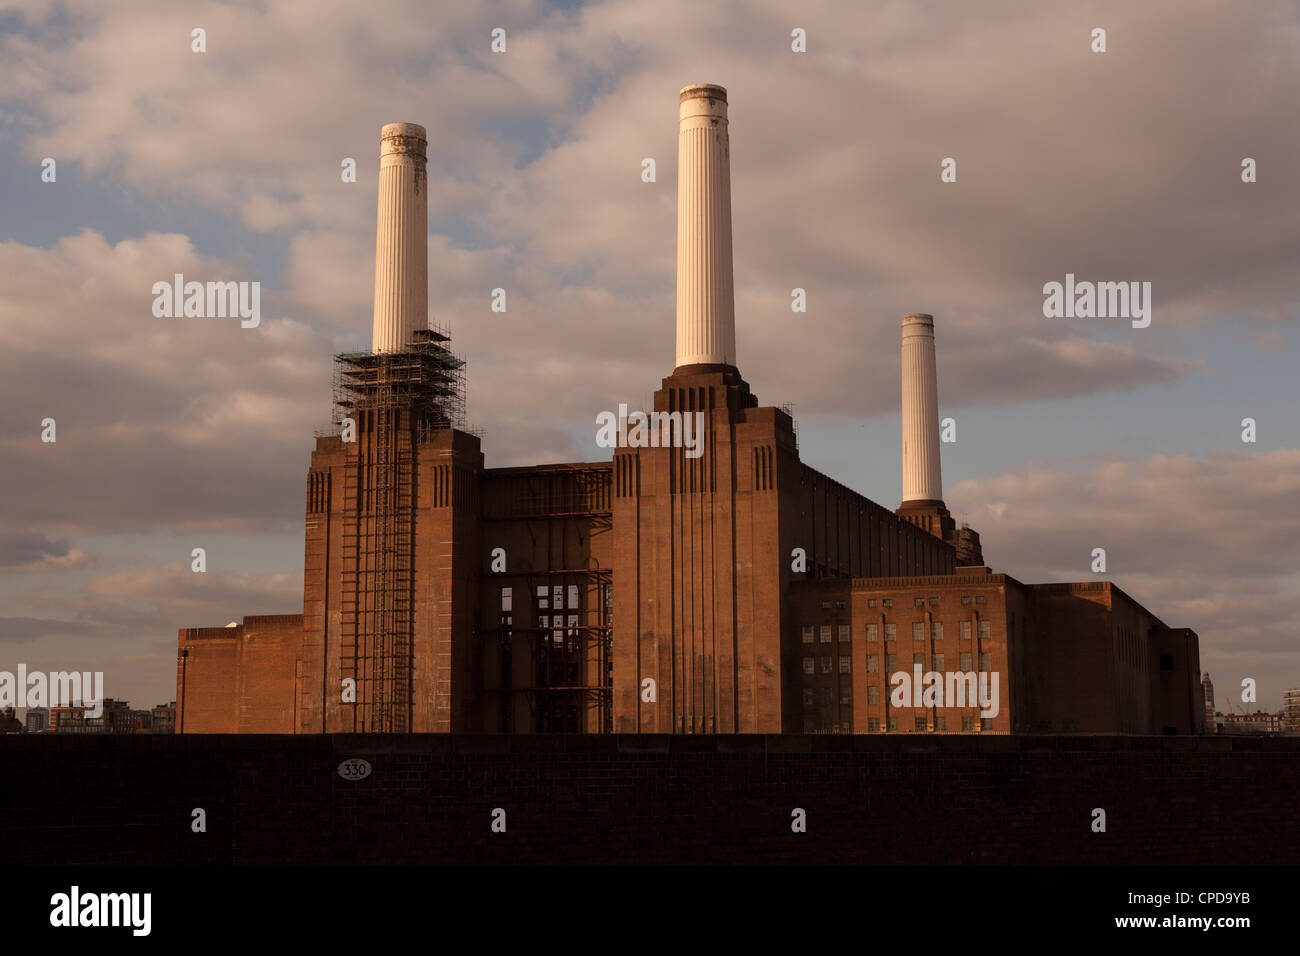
(729, 588)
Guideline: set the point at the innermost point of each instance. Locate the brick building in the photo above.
(1291, 711)
(673, 588)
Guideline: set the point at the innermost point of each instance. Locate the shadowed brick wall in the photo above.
(649, 799)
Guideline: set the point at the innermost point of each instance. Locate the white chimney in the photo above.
(921, 480)
(706, 320)
(402, 239)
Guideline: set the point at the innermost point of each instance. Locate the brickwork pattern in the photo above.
(645, 799)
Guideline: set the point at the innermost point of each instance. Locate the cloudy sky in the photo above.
(1072, 434)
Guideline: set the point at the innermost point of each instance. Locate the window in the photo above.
(826, 696)
(826, 633)
(846, 726)
(809, 725)
(872, 663)
(968, 724)
(873, 694)
(844, 634)
(507, 600)
(807, 696)
(873, 633)
(887, 602)
(919, 602)
(808, 666)
(871, 602)
(986, 630)
(541, 595)
(981, 599)
(891, 662)
(986, 661)
(873, 725)
(934, 602)
(807, 633)
(892, 723)
(918, 630)
(963, 630)
(891, 631)
(938, 662)
(965, 661)
(936, 630)
(986, 723)
(846, 697)
(918, 660)
(845, 667)
(1166, 662)
(965, 599)
(826, 664)
(826, 725)
(941, 723)
(920, 724)
(826, 605)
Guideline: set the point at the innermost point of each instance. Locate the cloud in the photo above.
(159, 421)
(29, 551)
(535, 157)
(182, 592)
(1206, 543)
(20, 630)
(1272, 341)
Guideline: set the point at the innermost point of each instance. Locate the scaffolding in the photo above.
(568, 687)
(393, 400)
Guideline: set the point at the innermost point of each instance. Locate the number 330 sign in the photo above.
(355, 769)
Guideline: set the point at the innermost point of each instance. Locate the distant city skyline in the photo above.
(1072, 434)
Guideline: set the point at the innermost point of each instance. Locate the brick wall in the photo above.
(650, 799)
(207, 673)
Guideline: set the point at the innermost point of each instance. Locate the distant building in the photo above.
(1291, 711)
(1260, 722)
(1207, 686)
(38, 720)
(162, 719)
(116, 717)
(9, 722)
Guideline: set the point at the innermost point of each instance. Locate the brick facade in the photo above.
(659, 593)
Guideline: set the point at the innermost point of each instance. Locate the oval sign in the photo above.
(354, 769)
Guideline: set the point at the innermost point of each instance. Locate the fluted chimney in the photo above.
(401, 240)
(922, 483)
(706, 321)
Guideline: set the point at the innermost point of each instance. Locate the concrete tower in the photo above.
(922, 479)
(706, 320)
(922, 483)
(401, 240)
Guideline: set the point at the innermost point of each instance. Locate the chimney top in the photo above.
(403, 138)
(403, 129)
(709, 91)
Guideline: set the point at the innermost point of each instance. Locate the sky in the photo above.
(1072, 434)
